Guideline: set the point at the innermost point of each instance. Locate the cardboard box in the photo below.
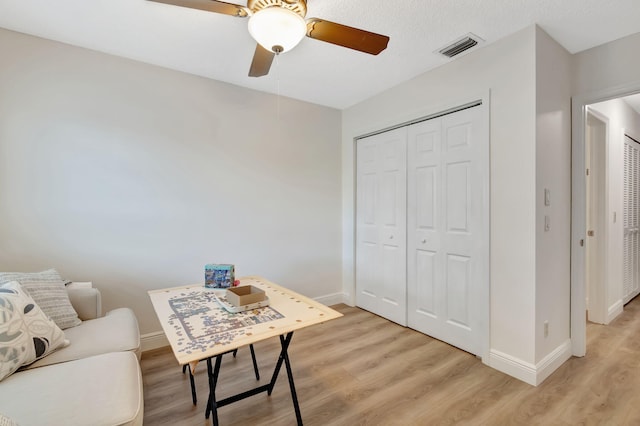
(245, 295)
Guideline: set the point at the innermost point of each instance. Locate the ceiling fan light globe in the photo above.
(277, 29)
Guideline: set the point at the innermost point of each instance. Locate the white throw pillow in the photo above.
(48, 290)
(26, 333)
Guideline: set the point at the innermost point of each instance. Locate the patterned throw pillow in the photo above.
(26, 333)
(49, 292)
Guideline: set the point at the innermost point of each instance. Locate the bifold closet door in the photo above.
(631, 220)
(381, 284)
(448, 232)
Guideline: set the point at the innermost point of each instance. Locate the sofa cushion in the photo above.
(116, 331)
(48, 290)
(100, 390)
(26, 333)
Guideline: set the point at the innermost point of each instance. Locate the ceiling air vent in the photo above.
(460, 45)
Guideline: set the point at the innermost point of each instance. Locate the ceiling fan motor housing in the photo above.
(277, 25)
(297, 6)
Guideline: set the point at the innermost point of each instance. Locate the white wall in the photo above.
(553, 172)
(133, 176)
(610, 66)
(506, 69)
(621, 117)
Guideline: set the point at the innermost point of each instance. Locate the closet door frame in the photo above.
(480, 99)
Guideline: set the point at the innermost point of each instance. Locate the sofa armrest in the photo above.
(86, 301)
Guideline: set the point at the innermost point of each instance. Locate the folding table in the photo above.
(199, 328)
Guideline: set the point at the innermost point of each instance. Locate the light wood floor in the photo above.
(364, 370)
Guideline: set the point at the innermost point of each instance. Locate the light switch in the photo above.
(547, 223)
(547, 197)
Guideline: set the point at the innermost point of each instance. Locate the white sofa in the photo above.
(95, 380)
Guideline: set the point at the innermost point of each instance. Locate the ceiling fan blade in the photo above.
(342, 35)
(210, 6)
(262, 59)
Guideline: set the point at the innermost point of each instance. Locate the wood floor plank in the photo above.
(364, 370)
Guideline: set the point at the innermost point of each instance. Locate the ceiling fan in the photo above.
(279, 25)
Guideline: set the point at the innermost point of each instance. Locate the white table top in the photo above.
(198, 327)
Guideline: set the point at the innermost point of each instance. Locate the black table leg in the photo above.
(255, 363)
(194, 398)
(284, 344)
(212, 406)
(292, 387)
(284, 357)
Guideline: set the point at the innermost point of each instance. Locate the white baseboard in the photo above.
(157, 339)
(347, 299)
(330, 299)
(614, 310)
(551, 362)
(513, 366)
(154, 340)
(533, 374)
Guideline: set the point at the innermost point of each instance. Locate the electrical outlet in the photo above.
(546, 329)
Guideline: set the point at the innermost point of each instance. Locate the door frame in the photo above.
(578, 207)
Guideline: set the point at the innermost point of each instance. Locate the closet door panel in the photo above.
(458, 194)
(466, 239)
(367, 218)
(444, 300)
(381, 224)
(458, 291)
(424, 302)
(424, 221)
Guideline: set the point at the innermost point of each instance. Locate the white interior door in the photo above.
(595, 156)
(448, 229)
(381, 224)
(631, 219)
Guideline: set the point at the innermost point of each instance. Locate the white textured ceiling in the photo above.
(219, 46)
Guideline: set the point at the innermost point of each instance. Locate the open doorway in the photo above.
(601, 124)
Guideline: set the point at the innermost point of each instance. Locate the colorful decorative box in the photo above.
(219, 275)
